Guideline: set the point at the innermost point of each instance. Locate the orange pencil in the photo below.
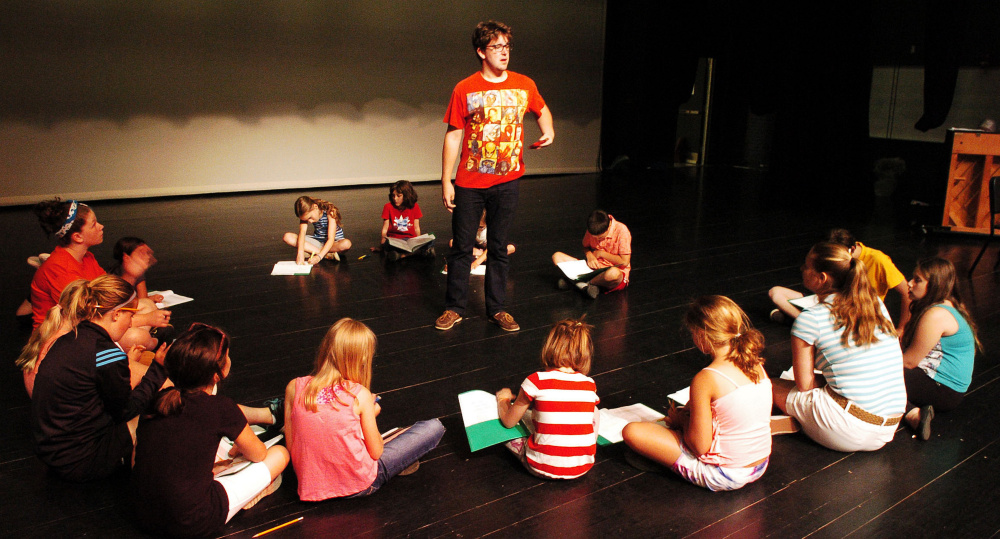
(265, 532)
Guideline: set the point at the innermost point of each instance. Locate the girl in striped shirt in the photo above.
(857, 401)
(324, 243)
(563, 406)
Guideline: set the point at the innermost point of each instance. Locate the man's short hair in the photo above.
(841, 236)
(598, 222)
(488, 31)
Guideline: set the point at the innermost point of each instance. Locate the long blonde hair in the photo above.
(59, 316)
(344, 355)
(856, 307)
(722, 322)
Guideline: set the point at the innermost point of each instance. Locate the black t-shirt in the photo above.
(172, 483)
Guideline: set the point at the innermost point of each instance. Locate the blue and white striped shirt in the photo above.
(871, 376)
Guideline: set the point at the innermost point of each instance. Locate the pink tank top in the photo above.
(741, 424)
(328, 449)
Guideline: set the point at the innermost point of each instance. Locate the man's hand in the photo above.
(448, 195)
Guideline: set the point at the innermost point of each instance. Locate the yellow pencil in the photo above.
(265, 532)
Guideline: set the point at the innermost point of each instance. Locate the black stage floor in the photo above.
(693, 233)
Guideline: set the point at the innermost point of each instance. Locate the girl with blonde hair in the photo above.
(721, 440)
(84, 410)
(330, 426)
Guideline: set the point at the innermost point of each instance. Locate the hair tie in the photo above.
(68, 223)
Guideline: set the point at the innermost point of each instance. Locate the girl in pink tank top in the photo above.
(722, 439)
(330, 427)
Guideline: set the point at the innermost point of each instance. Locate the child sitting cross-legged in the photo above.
(172, 480)
(606, 244)
(559, 405)
(330, 426)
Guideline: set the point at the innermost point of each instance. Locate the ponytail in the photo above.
(744, 351)
(304, 204)
(722, 322)
(80, 300)
(169, 402)
(856, 308)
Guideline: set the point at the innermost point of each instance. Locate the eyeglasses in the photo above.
(498, 47)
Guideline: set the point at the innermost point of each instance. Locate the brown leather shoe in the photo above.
(447, 320)
(505, 321)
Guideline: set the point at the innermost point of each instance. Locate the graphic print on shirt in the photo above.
(401, 223)
(931, 363)
(495, 124)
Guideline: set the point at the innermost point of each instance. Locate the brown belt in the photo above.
(859, 413)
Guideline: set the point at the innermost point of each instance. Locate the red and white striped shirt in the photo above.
(564, 407)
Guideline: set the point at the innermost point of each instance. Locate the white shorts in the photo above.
(713, 477)
(245, 485)
(828, 424)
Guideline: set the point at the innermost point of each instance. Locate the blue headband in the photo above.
(69, 220)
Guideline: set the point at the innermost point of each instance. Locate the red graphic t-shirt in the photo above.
(401, 222)
(492, 116)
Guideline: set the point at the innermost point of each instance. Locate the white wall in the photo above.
(117, 100)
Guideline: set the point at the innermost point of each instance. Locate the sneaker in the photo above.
(563, 284)
(592, 291)
(447, 320)
(165, 334)
(34, 261)
(777, 316)
(277, 408)
(392, 256)
(411, 468)
(505, 321)
(924, 427)
(783, 424)
(264, 493)
(333, 256)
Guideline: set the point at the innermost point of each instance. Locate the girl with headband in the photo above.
(75, 226)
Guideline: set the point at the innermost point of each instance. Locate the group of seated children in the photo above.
(607, 243)
(76, 229)
(88, 421)
(400, 219)
(89, 418)
(848, 335)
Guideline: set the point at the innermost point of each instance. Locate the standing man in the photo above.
(485, 127)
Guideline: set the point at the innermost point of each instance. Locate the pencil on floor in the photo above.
(278, 527)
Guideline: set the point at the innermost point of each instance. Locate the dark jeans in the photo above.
(922, 390)
(500, 202)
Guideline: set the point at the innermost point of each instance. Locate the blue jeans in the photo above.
(500, 202)
(404, 450)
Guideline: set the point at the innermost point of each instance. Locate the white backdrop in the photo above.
(107, 99)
